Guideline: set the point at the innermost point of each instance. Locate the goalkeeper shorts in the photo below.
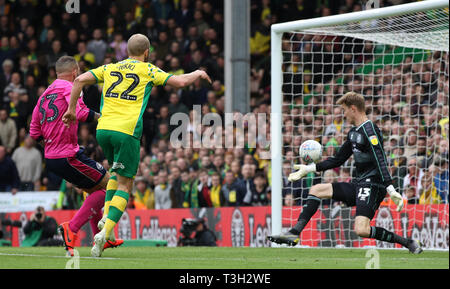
(121, 150)
(366, 196)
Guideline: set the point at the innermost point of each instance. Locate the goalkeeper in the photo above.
(366, 191)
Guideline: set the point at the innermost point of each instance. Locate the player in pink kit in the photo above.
(63, 155)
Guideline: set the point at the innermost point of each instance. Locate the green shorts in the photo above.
(121, 150)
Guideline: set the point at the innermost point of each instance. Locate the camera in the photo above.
(187, 227)
(38, 215)
(8, 222)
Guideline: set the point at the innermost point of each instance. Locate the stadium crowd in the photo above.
(409, 102)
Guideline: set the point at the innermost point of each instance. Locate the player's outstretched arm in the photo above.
(84, 79)
(183, 80)
(335, 161)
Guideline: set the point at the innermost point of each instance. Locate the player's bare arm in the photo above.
(84, 79)
(183, 80)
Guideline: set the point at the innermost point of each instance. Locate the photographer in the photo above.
(203, 236)
(40, 230)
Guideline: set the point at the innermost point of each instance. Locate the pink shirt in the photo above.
(46, 122)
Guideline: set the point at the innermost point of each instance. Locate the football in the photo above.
(310, 151)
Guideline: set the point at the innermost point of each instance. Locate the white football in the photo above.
(310, 151)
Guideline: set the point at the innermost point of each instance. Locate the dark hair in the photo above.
(260, 175)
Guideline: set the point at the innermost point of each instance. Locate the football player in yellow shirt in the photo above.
(126, 90)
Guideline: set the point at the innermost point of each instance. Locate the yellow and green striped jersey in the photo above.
(126, 91)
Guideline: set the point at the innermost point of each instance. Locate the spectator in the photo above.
(28, 161)
(337, 124)
(119, 46)
(183, 15)
(443, 148)
(236, 168)
(97, 46)
(150, 29)
(428, 192)
(232, 189)
(199, 193)
(204, 188)
(216, 194)
(410, 141)
(247, 179)
(143, 196)
(47, 22)
(9, 177)
(441, 177)
(260, 39)
(175, 67)
(218, 163)
(84, 28)
(162, 11)
(162, 192)
(330, 176)
(55, 53)
(85, 56)
(14, 89)
(199, 22)
(110, 30)
(186, 183)
(413, 180)
(8, 131)
(261, 196)
(70, 45)
(411, 195)
(41, 230)
(176, 192)
(5, 75)
(24, 67)
(162, 45)
(175, 106)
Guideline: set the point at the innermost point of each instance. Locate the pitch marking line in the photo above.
(65, 257)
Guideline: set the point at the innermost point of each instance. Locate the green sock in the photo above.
(111, 188)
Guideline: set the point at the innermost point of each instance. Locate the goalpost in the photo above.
(397, 57)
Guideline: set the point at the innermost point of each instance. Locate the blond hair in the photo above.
(65, 64)
(353, 98)
(137, 44)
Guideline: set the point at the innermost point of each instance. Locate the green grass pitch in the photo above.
(219, 258)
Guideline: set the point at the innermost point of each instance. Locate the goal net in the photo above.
(397, 58)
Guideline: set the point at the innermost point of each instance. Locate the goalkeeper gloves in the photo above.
(303, 170)
(395, 197)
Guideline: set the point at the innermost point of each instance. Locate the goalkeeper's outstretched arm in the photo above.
(335, 161)
(344, 153)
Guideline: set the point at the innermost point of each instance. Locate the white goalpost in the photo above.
(398, 58)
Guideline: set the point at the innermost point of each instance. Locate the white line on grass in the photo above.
(66, 257)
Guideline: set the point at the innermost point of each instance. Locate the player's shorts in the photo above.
(83, 172)
(366, 196)
(121, 150)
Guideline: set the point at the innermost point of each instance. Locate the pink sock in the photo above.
(90, 210)
(94, 221)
